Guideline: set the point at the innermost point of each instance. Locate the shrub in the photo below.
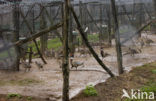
(90, 91)
(14, 95)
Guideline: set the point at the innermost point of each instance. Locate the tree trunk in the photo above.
(43, 38)
(79, 27)
(71, 37)
(117, 38)
(101, 38)
(109, 25)
(16, 22)
(154, 25)
(65, 63)
(154, 2)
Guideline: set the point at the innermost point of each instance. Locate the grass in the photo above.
(154, 71)
(9, 96)
(23, 82)
(55, 43)
(5, 54)
(149, 86)
(18, 96)
(29, 98)
(90, 91)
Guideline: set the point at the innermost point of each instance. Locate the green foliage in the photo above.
(90, 91)
(13, 96)
(29, 98)
(27, 82)
(93, 38)
(22, 82)
(53, 43)
(149, 88)
(154, 71)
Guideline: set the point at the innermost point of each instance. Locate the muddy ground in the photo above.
(47, 84)
(112, 89)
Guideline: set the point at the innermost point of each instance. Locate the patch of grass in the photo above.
(154, 71)
(29, 98)
(53, 43)
(27, 82)
(93, 38)
(9, 96)
(149, 87)
(90, 91)
(22, 82)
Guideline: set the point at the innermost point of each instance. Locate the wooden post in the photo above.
(71, 37)
(117, 38)
(33, 20)
(65, 61)
(101, 30)
(140, 17)
(154, 4)
(43, 38)
(16, 17)
(81, 16)
(109, 25)
(30, 54)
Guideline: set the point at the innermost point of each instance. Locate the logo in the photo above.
(137, 94)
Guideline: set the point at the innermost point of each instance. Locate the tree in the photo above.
(65, 60)
(43, 38)
(117, 38)
(16, 17)
(154, 2)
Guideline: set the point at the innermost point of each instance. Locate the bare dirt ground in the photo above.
(47, 84)
(111, 90)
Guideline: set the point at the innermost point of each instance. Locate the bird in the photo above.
(133, 51)
(86, 29)
(39, 65)
(76, 64)
(103, 54)
(149, 41)
(26, 65)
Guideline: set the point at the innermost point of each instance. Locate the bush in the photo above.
(14, 95)
(90, 91)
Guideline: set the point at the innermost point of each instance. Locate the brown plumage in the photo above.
(103, 54)
(26, 65)
(39, 65)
